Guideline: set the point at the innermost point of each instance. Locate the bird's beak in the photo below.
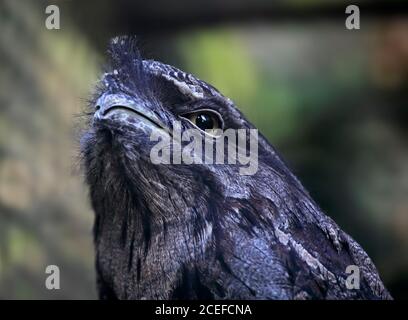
(110, 104)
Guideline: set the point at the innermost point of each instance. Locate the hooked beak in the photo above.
(111, 106)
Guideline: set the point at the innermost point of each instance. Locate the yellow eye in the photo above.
(208, 121)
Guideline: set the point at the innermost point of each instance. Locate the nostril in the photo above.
(97, 108)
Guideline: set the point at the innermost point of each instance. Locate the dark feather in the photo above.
(204, 231)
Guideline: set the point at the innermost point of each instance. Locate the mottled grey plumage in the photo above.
(201, 231)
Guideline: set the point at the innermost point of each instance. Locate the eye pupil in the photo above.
(204, 122)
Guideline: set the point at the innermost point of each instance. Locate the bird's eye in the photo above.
(208, 121)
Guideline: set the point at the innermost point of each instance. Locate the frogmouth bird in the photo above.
(201, 230)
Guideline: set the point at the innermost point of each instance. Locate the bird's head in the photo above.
(138, 99)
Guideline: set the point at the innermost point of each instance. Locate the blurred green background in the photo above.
(333, 102)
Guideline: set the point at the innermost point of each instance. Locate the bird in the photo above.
(201, 230)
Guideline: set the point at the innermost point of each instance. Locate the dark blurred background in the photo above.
(333, 101)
